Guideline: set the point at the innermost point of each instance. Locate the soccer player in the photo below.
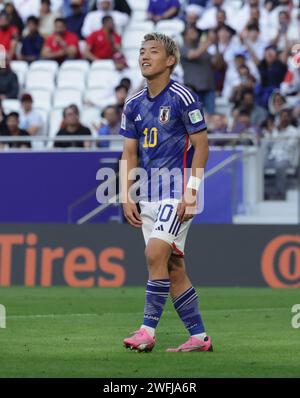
(164, 125)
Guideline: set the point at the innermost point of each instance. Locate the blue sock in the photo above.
(187, 308)
(157, 292)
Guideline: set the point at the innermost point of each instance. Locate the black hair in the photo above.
(253, 26)
(13, 114)
(60, 19)
(33, 19)
(119, 86)
(72, 106)
(125, 81)
(109, 106)
(244, 112)
(247, 91)
(106, 18)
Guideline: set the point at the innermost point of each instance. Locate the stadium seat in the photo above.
(102, 79)
(140, 5)
(79, 64)
(135, 76)
(11, 105)
(82, 46)
(132, 57)
(145, 26)
(40, 79)
(223, 106)
(44, 65)
(105, 64)
(21, 69)
(132, 38)
(55, 120)
(42, 99)
(174, 26)
(71, 79)
(97, 97)
(67, 96)
(139, 16)
(91, 116)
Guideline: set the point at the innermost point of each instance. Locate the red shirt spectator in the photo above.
(8, 35)
(103, 43)
(62, 44)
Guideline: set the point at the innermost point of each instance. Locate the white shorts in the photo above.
(160, 221)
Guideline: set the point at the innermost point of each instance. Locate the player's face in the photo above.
(153, 59)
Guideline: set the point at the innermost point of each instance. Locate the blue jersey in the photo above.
(162, 126)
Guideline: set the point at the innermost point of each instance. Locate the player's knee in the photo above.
(153, 257)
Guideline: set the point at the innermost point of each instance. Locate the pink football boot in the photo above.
(140, 340)
(194, 344)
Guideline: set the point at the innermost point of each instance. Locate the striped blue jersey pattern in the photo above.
(162, 126)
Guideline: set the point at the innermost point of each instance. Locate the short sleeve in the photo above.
(193, 116)
(150, 7)
(36, 119)
(175, 3)
(128, 128)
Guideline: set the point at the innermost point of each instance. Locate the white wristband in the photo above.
(194, 183)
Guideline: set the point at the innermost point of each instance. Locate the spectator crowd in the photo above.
(240, 57)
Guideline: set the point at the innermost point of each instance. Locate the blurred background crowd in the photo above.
(242, 57)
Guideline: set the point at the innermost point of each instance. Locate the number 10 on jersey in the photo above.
(150, 140)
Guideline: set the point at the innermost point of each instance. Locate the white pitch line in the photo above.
(46, 316)
(206, 310)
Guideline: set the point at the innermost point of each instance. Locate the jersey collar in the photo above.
(152, 99)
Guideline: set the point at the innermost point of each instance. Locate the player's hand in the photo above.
(187, 208)
(132, 215)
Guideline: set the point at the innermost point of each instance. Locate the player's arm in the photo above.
(186, 209)
(201, 150)
(129, 162)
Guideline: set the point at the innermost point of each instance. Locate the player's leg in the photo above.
(186, 303)
(157, 255)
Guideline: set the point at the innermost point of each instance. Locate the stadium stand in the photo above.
(234, 47)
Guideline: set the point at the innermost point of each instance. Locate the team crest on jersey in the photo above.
(164, 114)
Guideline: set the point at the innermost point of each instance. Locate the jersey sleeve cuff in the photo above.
(197, 130)
(128, 134)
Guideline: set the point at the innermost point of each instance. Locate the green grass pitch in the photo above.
(67, 332)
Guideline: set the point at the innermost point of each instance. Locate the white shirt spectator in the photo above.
(93, 21)
(258, 47)
(228, 50)
(29, 120)
(285, 149)
(208, 19)
(233, 78)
